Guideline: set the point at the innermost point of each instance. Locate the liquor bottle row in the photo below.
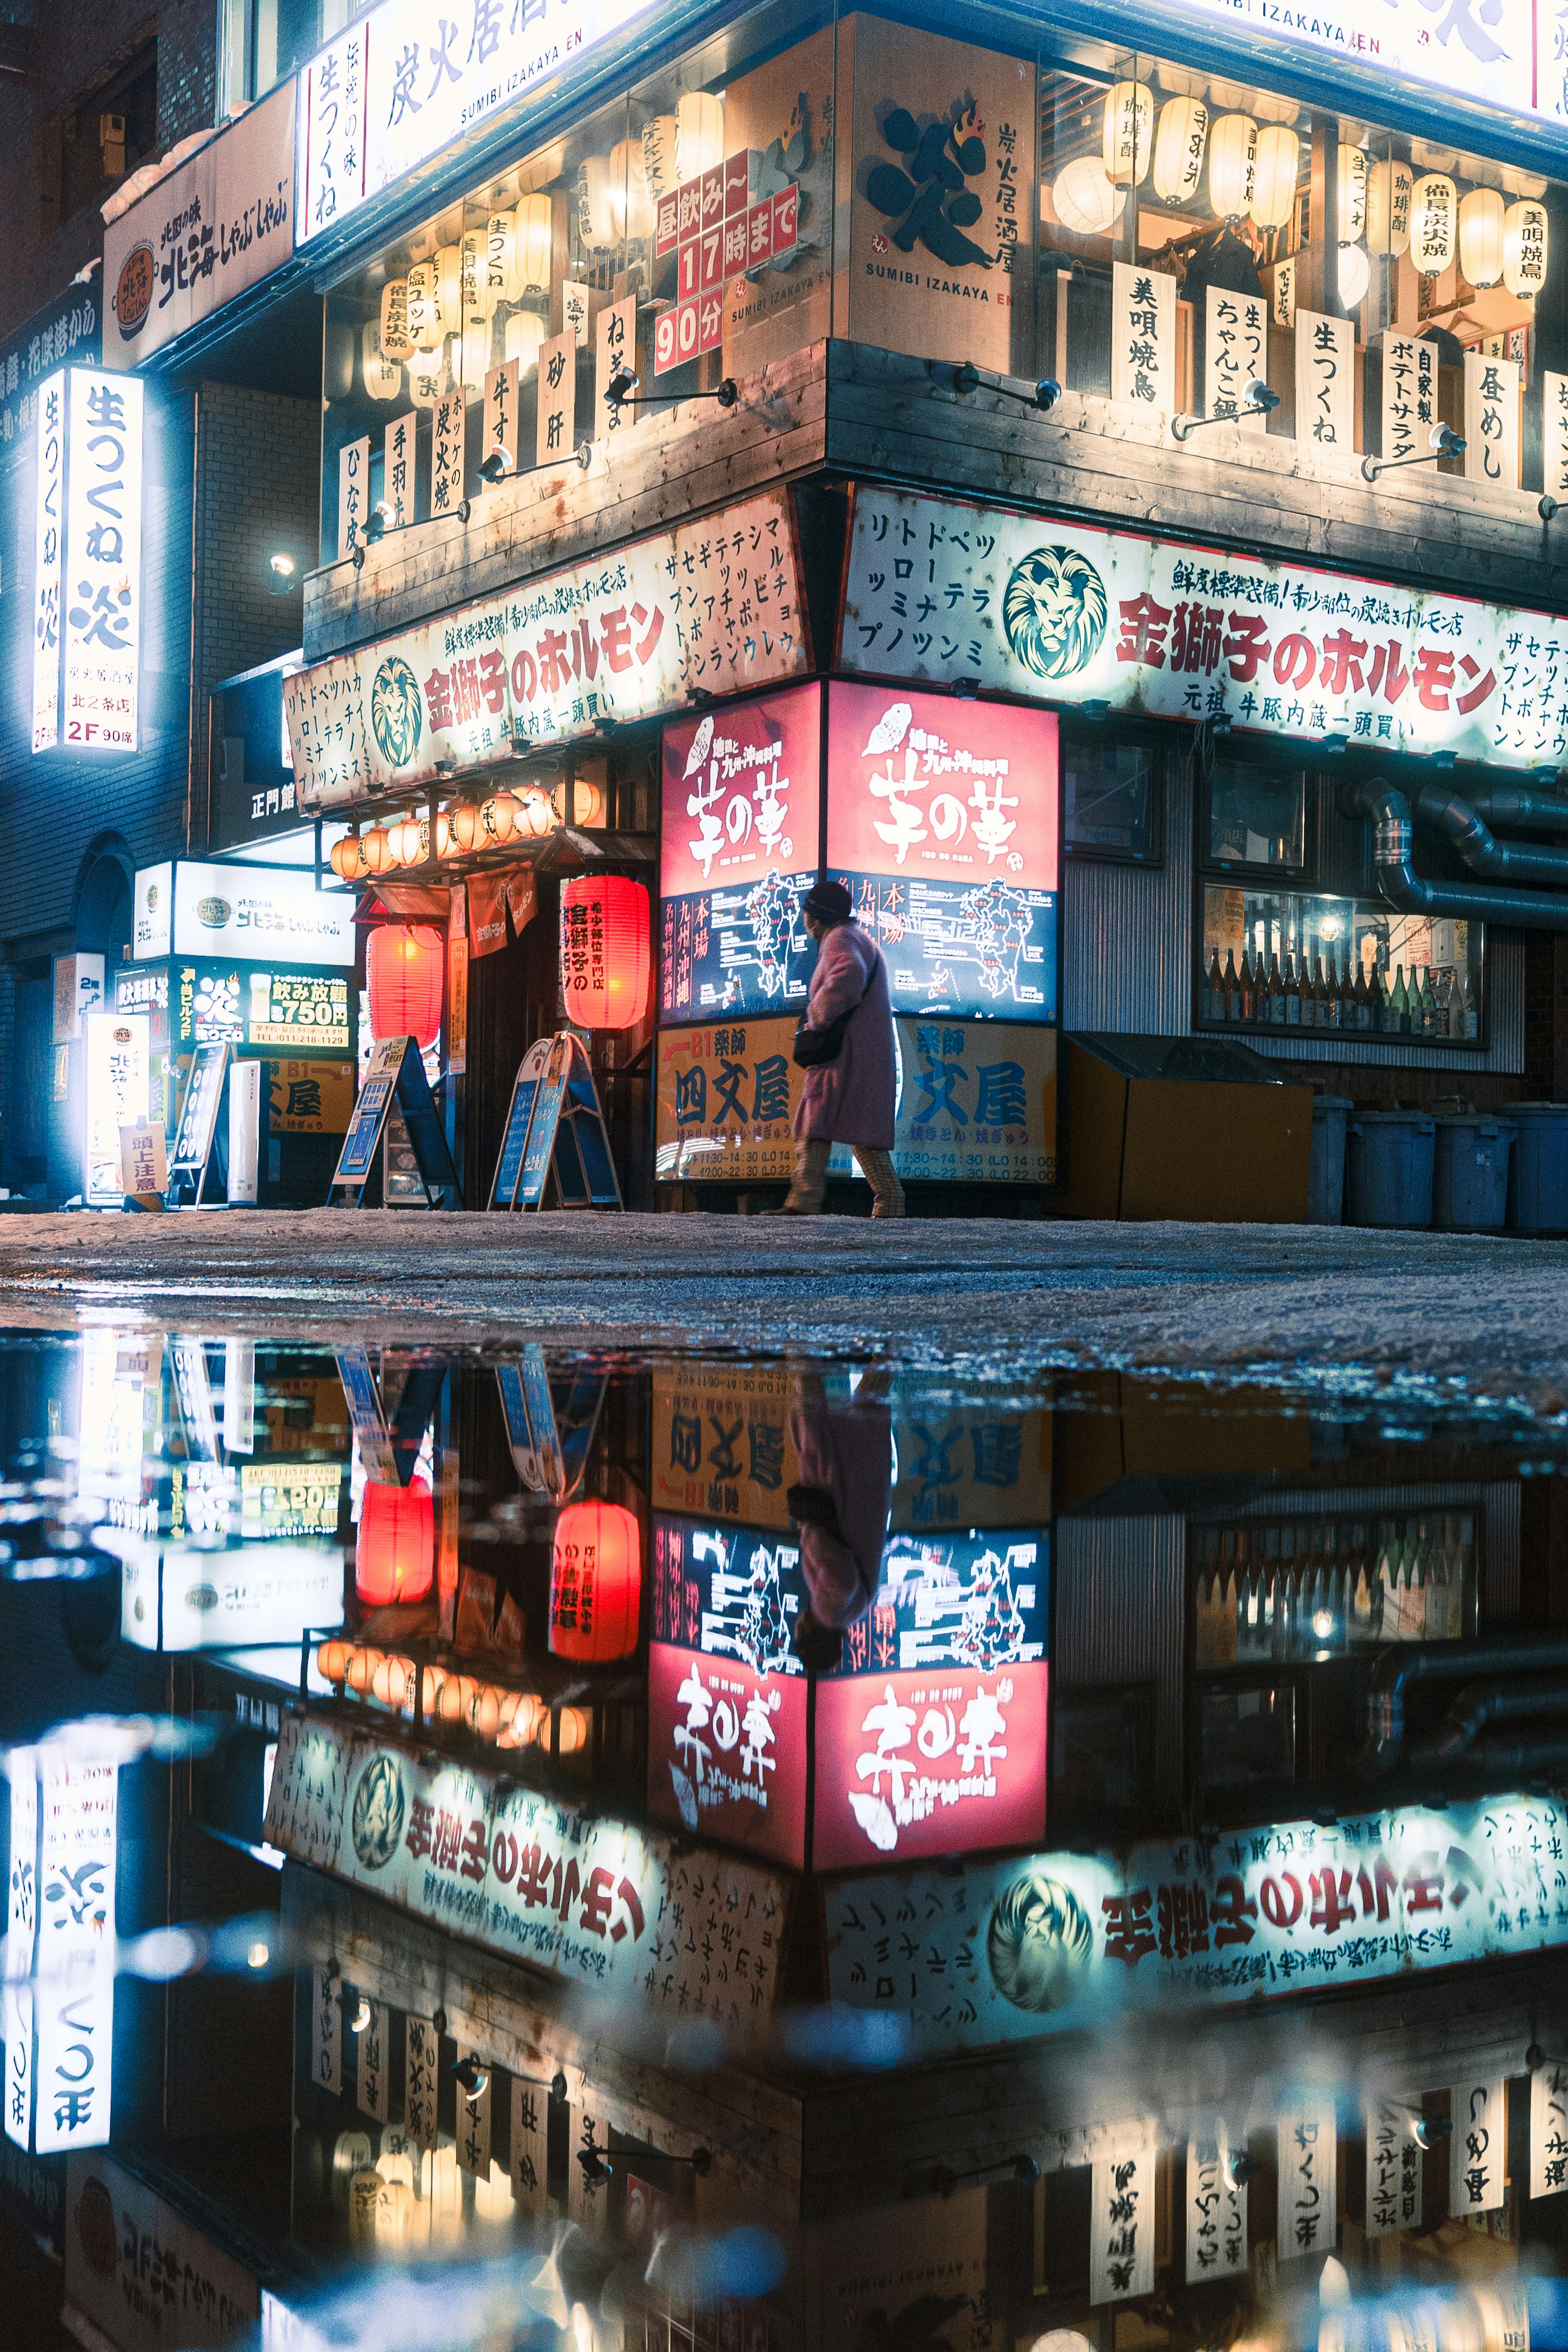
(1302, 996)
(1321, 1589)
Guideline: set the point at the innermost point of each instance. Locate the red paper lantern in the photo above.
(606, 966)
(403, 965)
(394, 1557)
(596, 1583)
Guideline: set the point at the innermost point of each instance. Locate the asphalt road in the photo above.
(1486, 1312)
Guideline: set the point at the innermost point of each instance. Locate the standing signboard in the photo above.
(395, 1078)
(566, 1139)
(196, 1131)
(520, 1111)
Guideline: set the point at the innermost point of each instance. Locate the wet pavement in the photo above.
(521, 1834)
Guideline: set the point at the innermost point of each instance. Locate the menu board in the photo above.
(199, 1110)
(306, 1011)
(738, 849)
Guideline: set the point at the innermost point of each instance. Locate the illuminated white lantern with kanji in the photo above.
(396, 342)
(698, 134)
(596, 211)
(480, 298)
(1481, 236)
(1355, 276)
(500, 260)
(1233, 162)
(1084, 199)
(1434, 223)
(1179, 144)
(630, 204)
(1524, 242)
(382, 377)
(474, 357)
(1388, 187)
(425, 328)
(1127, 140)
(532, 246)
(1352, 193)
(525, 331)
(1274, 176)
(658, 155)
(429, 377)
(450, 264)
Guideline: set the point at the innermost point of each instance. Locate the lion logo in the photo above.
(1054, 611)
(1039, 1943)
(377, 1819)
(395, 711)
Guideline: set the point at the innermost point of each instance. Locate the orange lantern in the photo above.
(468, 826)
(499, 816)
(395, 1558)
(596, 1583)
(606, 966)
(536, 812)
(405, 969)
(376, 848)
(348, 863)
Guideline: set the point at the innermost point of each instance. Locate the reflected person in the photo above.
(840, 1506)
(844, 1045)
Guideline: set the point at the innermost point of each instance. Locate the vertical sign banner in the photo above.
(473, 2125)
(614, 351)
(1235, 354)
(530, 2146)
(1393, 2168)
(1478, 2146)
(1491, 420)
(1555, 434)
(327, 2032)
(587, 2201)
(118, 1056)
(1122, 2215)
(1409, 397)
(100, 636)
(448, 430)
(1548, 2129)
(374, 2061)
(556, 435)
(398, 469)
(332, 145)
(48, 552)
(1216, 2214)
(354, 489)
(421, 2050)
(1144, 338)
(75, 1992)
(1325, 381)
(1308, 2148)
(501, 414)
(21, 1927)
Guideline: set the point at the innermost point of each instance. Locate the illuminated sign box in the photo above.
(86, 587)
(258, 915)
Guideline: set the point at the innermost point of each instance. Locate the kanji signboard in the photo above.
(930, 1762)
(1033, 605)
(727, 1751)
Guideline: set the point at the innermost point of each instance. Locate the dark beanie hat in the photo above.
(829, 901)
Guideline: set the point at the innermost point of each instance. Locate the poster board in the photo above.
(396, 1075)
(566, 1141)
(195, 1132)
(514, 1135)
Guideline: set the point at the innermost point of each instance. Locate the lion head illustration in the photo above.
(1054, 611)
(395, 711)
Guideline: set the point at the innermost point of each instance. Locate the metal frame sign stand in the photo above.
(196, 1130)
(396, 1075)
(555, 1132)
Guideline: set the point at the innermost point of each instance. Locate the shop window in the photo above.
(1257, 814)
(1285, 960)
(1102, 1757)
(1113, 800)
(1246, 1737)
(1310, 1588)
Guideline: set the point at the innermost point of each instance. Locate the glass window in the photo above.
(1320, 1588)
(1246, 1737)
(1103, 1750)
(1284, 959)
(1257, 814)
(1112, 799)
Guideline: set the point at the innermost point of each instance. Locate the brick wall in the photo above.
(1545, 1017)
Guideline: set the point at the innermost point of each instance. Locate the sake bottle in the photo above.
(1232, 986)
(1361, 999)
(1276, 994)
(1214, 990)
(1428, 1006)
(1292, 994)
(1320, 995)
(1401, 1002)
(1377, 999)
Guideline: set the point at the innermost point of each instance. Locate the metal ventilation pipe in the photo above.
(1462, 826)
(1393, 833)
(1489, 1703)
(1392, 1675)
(1522, 810)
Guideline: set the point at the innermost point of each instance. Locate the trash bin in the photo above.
(1388, 1168)
(1326, 1171)
(1469, 1171)
(1538, 1170)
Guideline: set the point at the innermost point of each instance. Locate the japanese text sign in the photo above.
(709, 607)
(74, 1995)
(66, 328)
(1325, 383)
(398, 467)
(48, 560)
(1235, 345)
(1122, 2216)
(716, 228)
(1477, 2146)
(555, 418)
(727, 1751)
(119, 1045)
(1548, 2129)
(1216, 2212)
(166, 2281)
(21, 1770)
(1483, 53)
(89, 586)
(1144, 338)
(1393, 2168)
(1491, 420)
(925, 784)
(1025, 1947)
(1059, 612)
(1307, 2136)
(256, 913)
(1409, 397)
(1555, 434)
(928, 1763)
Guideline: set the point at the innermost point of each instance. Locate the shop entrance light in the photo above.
(1442, 442)
(624, 382)
(1042, 394)
(284, 570)
(1258, 400)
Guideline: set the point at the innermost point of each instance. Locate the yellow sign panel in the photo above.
(309, 1097)
(975, 1103)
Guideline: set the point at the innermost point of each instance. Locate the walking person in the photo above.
(844, 1044)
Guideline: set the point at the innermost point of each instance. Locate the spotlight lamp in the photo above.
(1441, 442)
(284, 570)
(624, 382)
(598, 2168)
(942, 2181)
(361, 2018)
(382, 518)
(1240, 2167)
(473, 2077)
(1429, 2131)
(1043, 394)
(1258, 400)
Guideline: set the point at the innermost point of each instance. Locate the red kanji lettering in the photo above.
(1342, 658)
(504, 1857)
(1388, 671)
(1281, 1910)
(1434, 677)
(1143, 627)
(654, 631)
(448, 1840)
(475, 1850)
(553, 671)
(524, 677)
(465, 689)
(615, 638)
(597, 1897)
(1331, 1904)
(1231, 1910)
(1424, 1883)
(1246, 649)
(1476, 695)
(1128, 1932)
(439, 697)
(566, 1887)
(1377, 1891)
(587, 651)
(1295, 660)
(628, 1895)
(533, 1875)
(420, 1819)
(492, 679)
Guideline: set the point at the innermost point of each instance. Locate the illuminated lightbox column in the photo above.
(88, 562)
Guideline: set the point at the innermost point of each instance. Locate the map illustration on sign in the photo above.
(989, 951)
(744, 951)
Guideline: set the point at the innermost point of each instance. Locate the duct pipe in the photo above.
(1512, 805)
(1392, 1675)
(1489, 1703)
(1467, 831)
(1413, 894)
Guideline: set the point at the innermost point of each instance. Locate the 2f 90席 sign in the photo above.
(87, 617)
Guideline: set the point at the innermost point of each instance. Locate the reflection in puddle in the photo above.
(770, 1852)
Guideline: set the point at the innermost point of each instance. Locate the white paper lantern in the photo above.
(1084, 199)
(474, 356)
(595, 212)
(426, 325)
(449, 263)
(478, 301)
(1181, 81)
(1274, 109)
(430, 377)
(525, 331)
(658, 155)
(1274, 179)
(532, 246)
(1356, 276)
(422, 244)
(1480, 237)
(1352, 193)
(382, 377)
(396, 342)
(1434, 222)
(1233, 164)
(500, 260)
(1524, 245)
(698, 134)
(1231, 98)
(1388, 187)
(1127, 140)
(1179, 144)
(629, 200)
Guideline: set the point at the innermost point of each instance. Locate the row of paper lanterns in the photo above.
(461, 828)
(464, 358)
(1255, 168)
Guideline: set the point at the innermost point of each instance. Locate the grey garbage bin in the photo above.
(1388, 1168)
(1469, 1171)
(1326, 1171)
(1538, 1170)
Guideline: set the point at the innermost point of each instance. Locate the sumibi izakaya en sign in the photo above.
(86, 577)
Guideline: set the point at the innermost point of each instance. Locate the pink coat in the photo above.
(850, 1100)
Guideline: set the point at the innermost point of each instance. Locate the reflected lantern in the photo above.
(1275, 174)
(1480, 237)
(394, 1555)
(698, 134)
(532, 243)
(1388, 187)
(606, 963)
(1084, 199)
(405, 968)
(1352, 193)
(1127, 138)
(596, 1583)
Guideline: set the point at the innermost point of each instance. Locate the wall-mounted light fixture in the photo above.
(382, 518)
(1442, 442)
(597, 2167)
(623, 382)
(284, 570)
(1043, 394)
(473, 2077)
(1258, 400)
(942, 2181)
